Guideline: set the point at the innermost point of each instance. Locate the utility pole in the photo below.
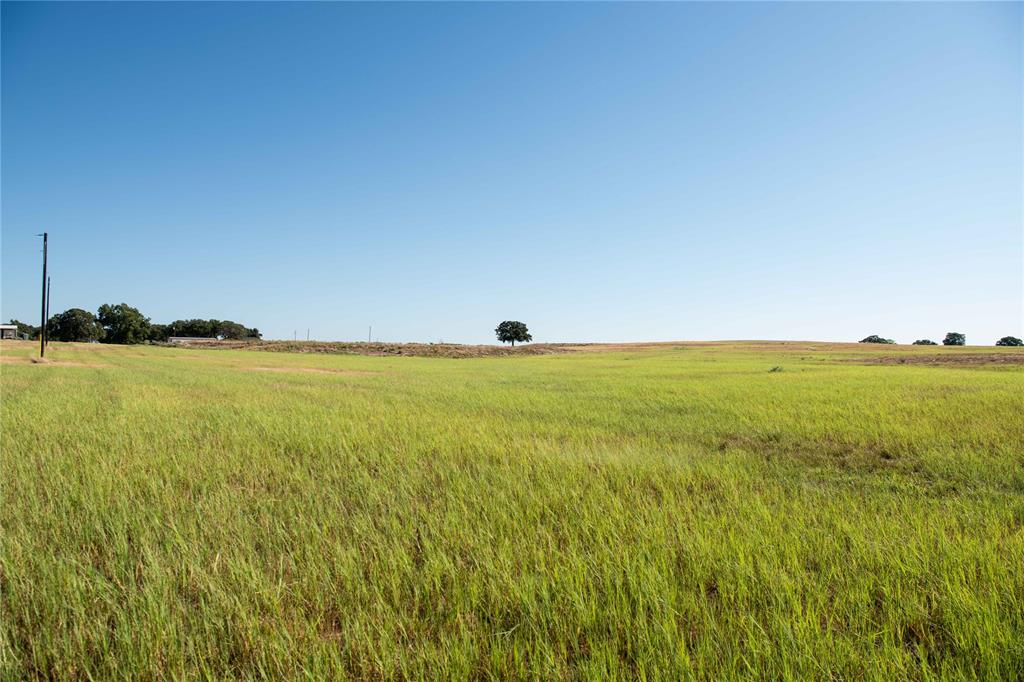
(307, 333)
(369, 336)
(47, 307)
(42, 311)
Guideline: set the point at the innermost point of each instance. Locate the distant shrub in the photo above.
(875, 338)
(776, 368)
(954, 339)
(924, 342)
(1009, 341)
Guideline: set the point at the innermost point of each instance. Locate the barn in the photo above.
(9, 331)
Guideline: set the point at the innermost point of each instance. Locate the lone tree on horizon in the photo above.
(511, 331)
(954, 339)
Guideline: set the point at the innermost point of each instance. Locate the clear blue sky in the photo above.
(599, 171)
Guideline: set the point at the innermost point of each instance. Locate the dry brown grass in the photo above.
(311, 370)
(45, 362)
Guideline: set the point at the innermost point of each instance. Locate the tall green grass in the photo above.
(665, 514)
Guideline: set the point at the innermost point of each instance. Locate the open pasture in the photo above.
(674, 511)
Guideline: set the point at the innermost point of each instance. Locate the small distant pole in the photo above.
(44, 305)
(307, 333)
(295, 335)
(48, 287)
(369, 335)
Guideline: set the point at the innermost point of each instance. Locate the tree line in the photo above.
(952, 339)
(121, 323)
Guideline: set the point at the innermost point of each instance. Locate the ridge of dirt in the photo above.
(458, 350)
(950, 360)
(448, 350)
(865, 353)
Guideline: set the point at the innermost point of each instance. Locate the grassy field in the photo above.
(670, 512)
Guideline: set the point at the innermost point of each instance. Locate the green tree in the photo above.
(159, 332)
(201, 329)
(74, 324)
(123, 323)
(227, 329)
(1009, 341)
(512, 331)
(954, 339)
(875, 338)
(209, 329)
(924, 342)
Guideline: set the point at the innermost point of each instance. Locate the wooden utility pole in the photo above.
(42, 310)
(47, 308)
